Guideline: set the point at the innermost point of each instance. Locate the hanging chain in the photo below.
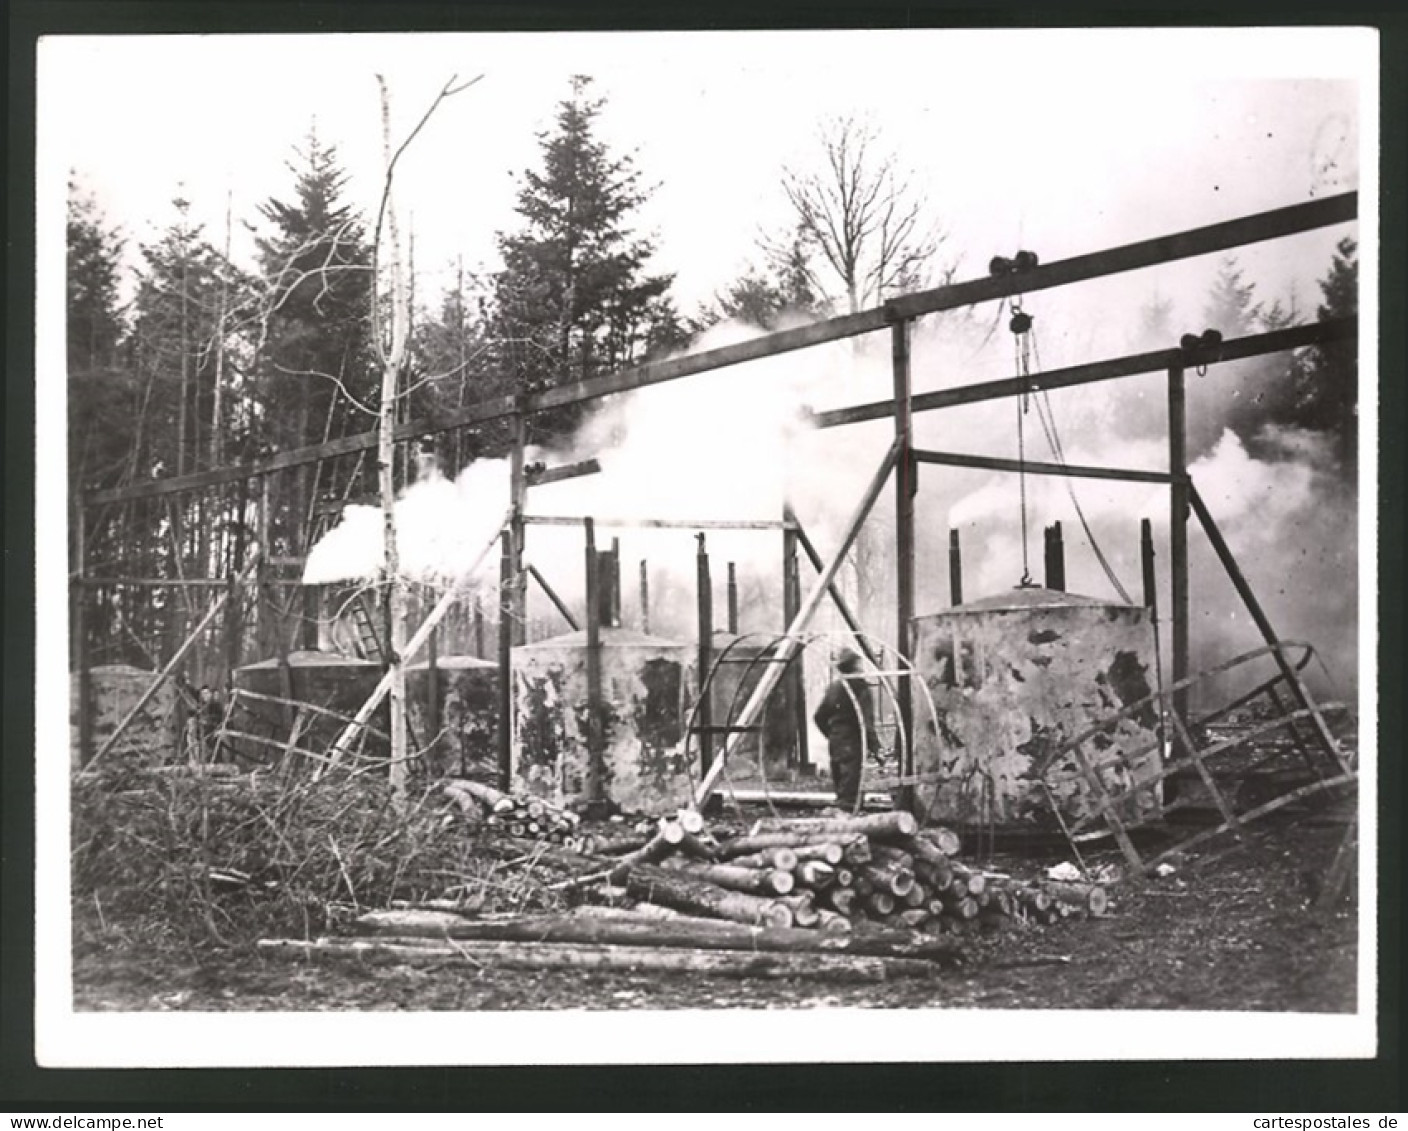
(1020, 325)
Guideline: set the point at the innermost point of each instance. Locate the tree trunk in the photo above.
(392, 360)
(754, 881)
(1090, 898)
(660, 885)
(856, 851)
(894, 824)
(567, 956)
(683, 931)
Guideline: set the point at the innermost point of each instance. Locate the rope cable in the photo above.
(1047, 416)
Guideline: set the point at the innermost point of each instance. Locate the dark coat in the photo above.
(837, 715)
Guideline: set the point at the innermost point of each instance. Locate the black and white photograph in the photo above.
(706, 547)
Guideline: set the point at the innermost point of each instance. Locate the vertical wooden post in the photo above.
(794, 703)
(733, 598)
(80, 635)
(705, 596)
(505, 655)
(1178, 532)
(518, 488)
(478, 618)
(1146, 559)
(596, 793)
(1055, 557)
(616, 583)
(955, 569)
(644, 597)
(432, 697)
(905, 490)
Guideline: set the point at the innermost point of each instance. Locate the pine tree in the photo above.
(574, 298)
(1329, 400)
(178, 335)
(101, 391)
(316, 377)
(766, 296)
(1231, 307)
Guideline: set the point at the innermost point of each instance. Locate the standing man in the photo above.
(845, 715)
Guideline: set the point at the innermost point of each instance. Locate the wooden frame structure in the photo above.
(895, 316)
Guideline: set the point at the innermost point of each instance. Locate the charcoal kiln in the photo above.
(644, 686)
(1014, 676)
(460, 721)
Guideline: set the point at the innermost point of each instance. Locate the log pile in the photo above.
(832, 874)
(526, 818)
(848, 898)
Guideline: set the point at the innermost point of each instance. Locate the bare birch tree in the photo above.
(390, 342)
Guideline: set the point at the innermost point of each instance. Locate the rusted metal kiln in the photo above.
(1012, 677)
(644, 686)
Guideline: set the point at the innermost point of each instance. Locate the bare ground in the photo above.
(1235, 933)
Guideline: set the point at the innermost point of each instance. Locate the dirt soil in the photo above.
(1235, 933)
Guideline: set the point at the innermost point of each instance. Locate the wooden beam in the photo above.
(1132, 365)
(551, 594)
(906, 487)
(704, 587)
(505, 657)
(654, 523)
(566, 471)
(1263, 624)
(82, 658)
(1256, 228)
(518, 497)
(955, 568)
(1178, 539)
(596, 753)
(1077, 471)
(839, 600)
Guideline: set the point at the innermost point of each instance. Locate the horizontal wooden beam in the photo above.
(1076, 471)
(657, 523)
(1256, 228)
(566, 471)
(1156, 361)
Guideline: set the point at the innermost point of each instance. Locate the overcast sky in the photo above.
(1067, 141)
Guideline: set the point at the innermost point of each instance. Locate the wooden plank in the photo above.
(906, 487)
(655, 523)
(1132, 365)
(1178, 540)
(552, 596)
(1075, 471)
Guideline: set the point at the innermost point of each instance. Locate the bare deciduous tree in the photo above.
(861, 218)
(390, 342)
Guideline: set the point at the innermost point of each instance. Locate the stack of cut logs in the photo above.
(526, 818)
(846, 898)
(831, 873)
